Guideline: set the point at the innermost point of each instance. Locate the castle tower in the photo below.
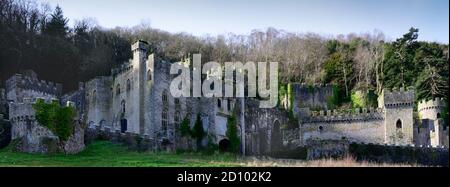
(397, 107)
(139, 50)
(432, 110)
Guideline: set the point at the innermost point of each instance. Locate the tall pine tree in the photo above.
(57, 26)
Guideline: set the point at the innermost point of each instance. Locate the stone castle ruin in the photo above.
(134, 105)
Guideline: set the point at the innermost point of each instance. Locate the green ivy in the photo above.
(232, 133)
(198, 132)
(56, 118)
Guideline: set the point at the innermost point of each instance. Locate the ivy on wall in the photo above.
(56, 118)
(232, 133)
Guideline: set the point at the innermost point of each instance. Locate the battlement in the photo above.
(25, 82)
(397, 97)
(139, 45)
(436, 103)
(121, 69)
(333, 116)
(315, 85)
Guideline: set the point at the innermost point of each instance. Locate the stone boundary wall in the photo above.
(426, 156)
(132, 140)
(5, 132)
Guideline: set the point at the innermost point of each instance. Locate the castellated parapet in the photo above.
(433, 130)
(338, 116)
(29, 86)
(122, 69)
(396, 97)
(431, 108)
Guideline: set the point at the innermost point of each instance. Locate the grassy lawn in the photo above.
(104, 154)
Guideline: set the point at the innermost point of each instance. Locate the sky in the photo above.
(326, 17)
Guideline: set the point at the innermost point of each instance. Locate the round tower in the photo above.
(431, 109)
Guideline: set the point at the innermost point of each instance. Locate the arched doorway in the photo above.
(224, 145)
(276, 141)
(123, 125)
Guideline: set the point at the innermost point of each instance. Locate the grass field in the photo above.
(105, 154)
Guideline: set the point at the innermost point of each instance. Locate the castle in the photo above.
(135, 101)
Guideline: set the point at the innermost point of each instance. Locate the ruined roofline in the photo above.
(399, 90)
(30, 83)
(363, 114)
(122, 68)
(305, 85)
(431, 104)
(139, 45)
(21, 111)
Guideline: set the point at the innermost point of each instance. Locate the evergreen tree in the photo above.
(57, 26)
(399, 66)
(185, 129)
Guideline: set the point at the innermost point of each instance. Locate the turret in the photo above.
(431, 109)
(139, 50)
(397, 106)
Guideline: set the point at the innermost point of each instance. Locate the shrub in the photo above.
(56, 118)
(185, 128)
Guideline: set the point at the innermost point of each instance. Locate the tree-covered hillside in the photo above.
(36, 37)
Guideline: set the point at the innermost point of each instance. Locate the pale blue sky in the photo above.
(327, 17)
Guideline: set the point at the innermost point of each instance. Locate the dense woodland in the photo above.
(38, 37)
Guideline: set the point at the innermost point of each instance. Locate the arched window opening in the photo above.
(398, 124)
(164, 122)
(438, 115)
(149, 75)
(128, 85)
(94, 96)
(219, 103)
(164, 113)
(123, 106)
(177, 103)
(164, 98)
(118, 89)
(177, 118)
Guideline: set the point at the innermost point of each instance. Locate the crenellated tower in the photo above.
(139, 50)
(397, 105)
(431, 111)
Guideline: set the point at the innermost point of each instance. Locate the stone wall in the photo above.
(311, 96)
(133, 141)
(35, 138)
(317, 149)
(21, 86)
(5, 132)
(263, 128)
